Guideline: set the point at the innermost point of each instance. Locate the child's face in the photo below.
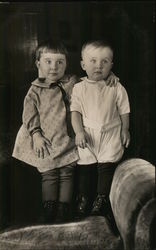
(51, 66)
(97, 62)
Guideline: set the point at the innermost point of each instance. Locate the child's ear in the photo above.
(112, 65)
(37, 63)
(40, 74)
(82, 64)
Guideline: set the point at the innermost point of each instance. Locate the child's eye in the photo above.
(105, 61)
(48, 62)
(60, 62)
(93, 60)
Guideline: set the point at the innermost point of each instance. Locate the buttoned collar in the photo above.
(92, 81)
(47, 83)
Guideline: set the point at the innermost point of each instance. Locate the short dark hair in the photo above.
(96, 44)
(53, 46)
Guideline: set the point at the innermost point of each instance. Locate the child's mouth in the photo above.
(53, 74)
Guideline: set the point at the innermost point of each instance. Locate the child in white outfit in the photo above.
(100, 119)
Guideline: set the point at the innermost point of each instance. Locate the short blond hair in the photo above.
(96, 44)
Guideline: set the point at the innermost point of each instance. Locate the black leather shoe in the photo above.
(63, 212)
(82, 207)
(49, 212)
(102, 207)
(110, 219)
(99, 206)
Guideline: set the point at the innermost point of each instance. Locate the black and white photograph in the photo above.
(77, 125)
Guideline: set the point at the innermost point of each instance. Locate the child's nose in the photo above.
(53, 65)
(99, 64)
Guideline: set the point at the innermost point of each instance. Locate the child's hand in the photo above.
(125, 137)
(81, 139)
(112, 80)
(41, 145)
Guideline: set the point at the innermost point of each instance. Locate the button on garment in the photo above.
(101, 107)
(44, 107)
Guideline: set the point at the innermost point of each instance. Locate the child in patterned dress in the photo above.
(45, 139)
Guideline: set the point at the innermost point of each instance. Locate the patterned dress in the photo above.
(45, 110)
(101, 107)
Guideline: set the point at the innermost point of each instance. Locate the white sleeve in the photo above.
(122, 100)
(76, 100)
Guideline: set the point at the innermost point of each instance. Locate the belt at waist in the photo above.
(101, 127)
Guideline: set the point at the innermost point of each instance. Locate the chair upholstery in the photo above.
(133, 204)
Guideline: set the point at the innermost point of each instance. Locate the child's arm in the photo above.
(31, 121)
(125, 135)
(40, 144)
(112, 79)
(81, 137)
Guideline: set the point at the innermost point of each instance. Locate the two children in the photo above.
(100, 118)
(44, 140)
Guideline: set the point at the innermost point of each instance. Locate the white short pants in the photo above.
(104, 143)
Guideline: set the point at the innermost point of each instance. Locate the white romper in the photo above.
(100, 107)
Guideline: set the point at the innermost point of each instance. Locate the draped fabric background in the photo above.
(130, 27)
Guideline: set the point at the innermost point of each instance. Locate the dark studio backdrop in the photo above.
(129, 26)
